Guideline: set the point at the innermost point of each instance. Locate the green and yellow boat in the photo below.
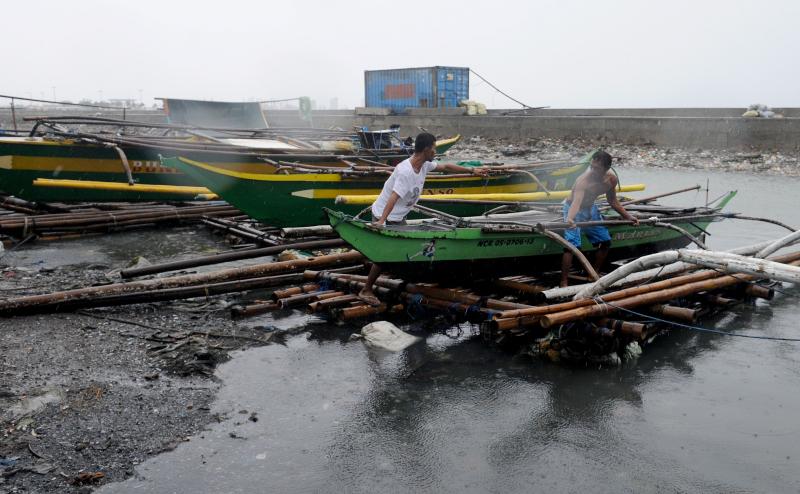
(297, 199)
(503, 244)
(114, 161)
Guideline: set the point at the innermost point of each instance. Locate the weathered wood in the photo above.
(227, 257)
(683, 232)
(305, 298)
(778, 244)
(626, 328)
(12, 305)
(673, 312)
(632, 272)
(295, 290)
(587, 266)
(205, 290)
(451, 295)
(645, 299)
(308, 231)
(329, 303)
(530, 317)
(733, 263)
(253, 309)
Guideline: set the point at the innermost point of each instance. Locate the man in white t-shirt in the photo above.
(401, 192)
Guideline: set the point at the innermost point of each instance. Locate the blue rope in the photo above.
(415, 306)
(697, 328)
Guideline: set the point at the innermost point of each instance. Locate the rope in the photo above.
(414, 306)
(501, 92)
(698, 328)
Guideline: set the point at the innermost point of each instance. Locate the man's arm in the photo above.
(453, 168)
(389, 207)
(613, 201)
(575, 206)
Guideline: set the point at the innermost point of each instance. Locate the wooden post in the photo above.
(13, 114)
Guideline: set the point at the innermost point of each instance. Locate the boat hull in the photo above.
(463, 253)
(23, 160)
(298, 199)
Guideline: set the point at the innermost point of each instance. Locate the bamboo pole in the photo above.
(308, 231)
(778, 244)
(530, 317)
(253, 309)
(296, 300)
(651, 298)
(718, 260)
(733, 263)
(227, 257)
(632, 277)
(587, 266)
(361, 311)
(16, 304)
(205, 290)
(329, 303)
(295, 290)
(629, 329)
(759, 291)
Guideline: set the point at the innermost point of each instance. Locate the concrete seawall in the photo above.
(680, 128)
(668, 131)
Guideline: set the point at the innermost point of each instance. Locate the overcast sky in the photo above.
(563, 54)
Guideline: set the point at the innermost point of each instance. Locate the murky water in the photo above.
(695, 413)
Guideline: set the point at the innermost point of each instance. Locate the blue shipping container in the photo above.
(424, 87)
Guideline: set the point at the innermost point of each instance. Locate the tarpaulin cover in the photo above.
(216, 114)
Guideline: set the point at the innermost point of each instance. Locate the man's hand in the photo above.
(571, 223)
(635, 220)
(482, 171)
(379, 222)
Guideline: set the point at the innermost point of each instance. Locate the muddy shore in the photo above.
(85, 397)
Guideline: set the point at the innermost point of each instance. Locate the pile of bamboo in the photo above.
(83, 221)
(179, 287)
(615, 318)
(335, 295)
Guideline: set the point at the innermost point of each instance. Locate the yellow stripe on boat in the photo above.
(478, 189)
(451, 141)
(309, 177)
(124, 187)
(510, 197)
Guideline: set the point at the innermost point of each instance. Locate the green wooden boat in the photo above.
(297, 199)
(24, 159)
(486, 246)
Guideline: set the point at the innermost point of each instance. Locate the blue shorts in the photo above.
(595, 234)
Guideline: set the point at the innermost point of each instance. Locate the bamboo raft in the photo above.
(591, 322)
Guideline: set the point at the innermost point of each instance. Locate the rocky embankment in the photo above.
(642, 155)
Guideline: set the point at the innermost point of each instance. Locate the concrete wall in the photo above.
(677, 131)
(681, 131)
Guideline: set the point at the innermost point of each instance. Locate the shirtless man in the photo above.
(580, 206)
(401, 192)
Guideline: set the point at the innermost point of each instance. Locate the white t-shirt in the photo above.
(408, 184)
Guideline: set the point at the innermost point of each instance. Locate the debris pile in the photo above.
(644, 155)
